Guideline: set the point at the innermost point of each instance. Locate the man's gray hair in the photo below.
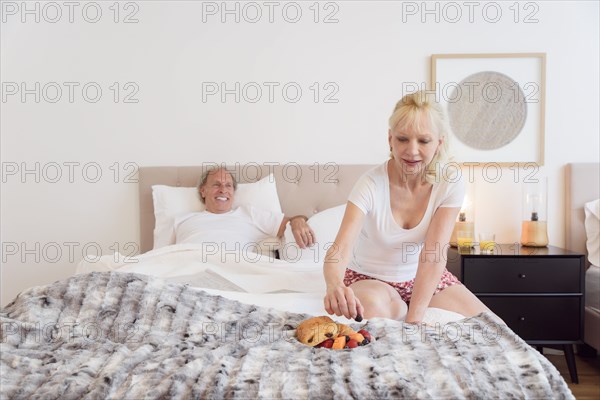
(205, 175)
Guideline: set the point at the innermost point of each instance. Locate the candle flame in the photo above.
(466, 204)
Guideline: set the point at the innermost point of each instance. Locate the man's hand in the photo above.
(304, 235)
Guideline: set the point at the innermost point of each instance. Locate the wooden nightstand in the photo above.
(538, 292)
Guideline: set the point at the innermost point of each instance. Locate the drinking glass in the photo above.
(465, 241)
(487, 242)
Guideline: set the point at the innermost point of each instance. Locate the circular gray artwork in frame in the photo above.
(487, 110)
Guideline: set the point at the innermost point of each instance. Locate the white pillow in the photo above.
(592, 230)
(325, 225)
(171, 202)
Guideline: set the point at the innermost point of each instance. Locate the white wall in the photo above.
(368, 55)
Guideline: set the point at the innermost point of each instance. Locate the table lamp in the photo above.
(464, 222)
(534, 229)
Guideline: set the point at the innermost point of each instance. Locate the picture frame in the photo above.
(495, 105)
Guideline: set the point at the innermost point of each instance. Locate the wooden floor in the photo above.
(588, 370)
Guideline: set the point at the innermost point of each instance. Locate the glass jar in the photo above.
(534, 227)
(466, 217)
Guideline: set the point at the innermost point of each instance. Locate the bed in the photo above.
(178, 321)
(582, 187)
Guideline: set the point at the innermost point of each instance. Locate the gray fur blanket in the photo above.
(130, 336)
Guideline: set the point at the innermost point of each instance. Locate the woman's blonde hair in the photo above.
(408, 113)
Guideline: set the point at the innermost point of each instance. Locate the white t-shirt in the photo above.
(384, 250)
(242, 228)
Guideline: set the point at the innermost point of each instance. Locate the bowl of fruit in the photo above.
(323, 332)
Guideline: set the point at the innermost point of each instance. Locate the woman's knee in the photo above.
(399, 309)
(372, 302)
(459, 299)
(385, 308)
(379, 302)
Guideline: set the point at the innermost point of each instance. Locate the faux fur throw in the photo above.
(130, 336)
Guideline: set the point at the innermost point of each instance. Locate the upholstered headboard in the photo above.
(582, 185)
(302, 189)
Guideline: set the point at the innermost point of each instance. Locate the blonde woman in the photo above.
(389, 257)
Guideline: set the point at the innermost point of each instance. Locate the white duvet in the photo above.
(249, 278)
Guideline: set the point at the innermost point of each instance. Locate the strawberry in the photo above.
(327, 344)
(366, 334)
(352, 343)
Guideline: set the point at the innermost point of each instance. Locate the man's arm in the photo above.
(303, 234)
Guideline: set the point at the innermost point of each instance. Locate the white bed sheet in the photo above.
(592, 288)
(260, 280)
(253, 274)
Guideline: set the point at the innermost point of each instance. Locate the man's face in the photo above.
(218, 192)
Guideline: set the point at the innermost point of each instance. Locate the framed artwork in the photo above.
(495, 105)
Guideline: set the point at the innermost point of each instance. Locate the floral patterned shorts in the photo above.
(404, 289)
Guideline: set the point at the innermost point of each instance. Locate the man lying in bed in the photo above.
(229, 230)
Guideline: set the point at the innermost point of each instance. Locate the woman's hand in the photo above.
(340, 300)
(412, 321)
(415, 314)
(304, 235)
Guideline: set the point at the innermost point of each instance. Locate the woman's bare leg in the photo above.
(379, 300)
(459, 299)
